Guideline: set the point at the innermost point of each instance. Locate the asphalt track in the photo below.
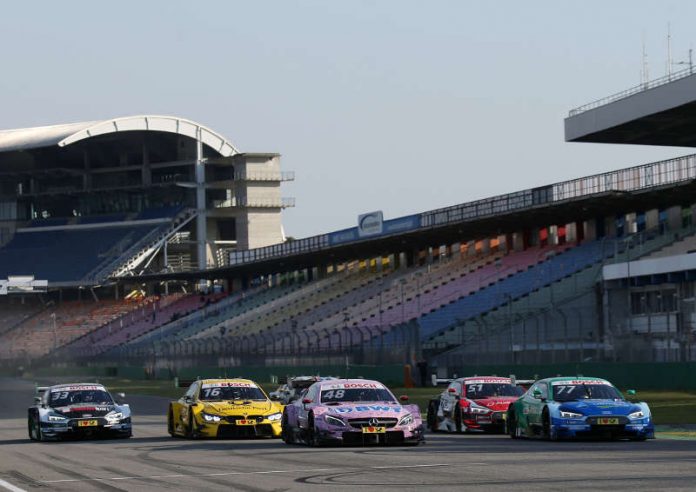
(152, 460)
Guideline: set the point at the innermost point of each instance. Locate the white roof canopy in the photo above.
(63, 135)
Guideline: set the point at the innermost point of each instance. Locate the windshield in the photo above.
(357, 394)
(483, 390)
(210, 393)
(66, 398)
(569, 392)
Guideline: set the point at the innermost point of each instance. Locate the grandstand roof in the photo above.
(67, 134)
(659, 112)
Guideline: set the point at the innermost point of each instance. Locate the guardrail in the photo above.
(680, 74)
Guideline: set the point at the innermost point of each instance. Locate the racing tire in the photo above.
(34, 428)
(312, 438)
(511, 424)
(286, 434)
(190, 433)
(547, 432)
(432, 416)
(458, 419)
(170, 422)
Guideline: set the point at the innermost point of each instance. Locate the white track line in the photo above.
(10, 487)
(226, 474)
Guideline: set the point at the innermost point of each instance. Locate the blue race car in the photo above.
(567, 407)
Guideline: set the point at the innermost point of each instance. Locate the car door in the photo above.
(186, 401)
(304, 408)
(450, 399)
(536, 400)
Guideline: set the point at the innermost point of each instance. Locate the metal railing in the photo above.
(645, 176)
(651, 84)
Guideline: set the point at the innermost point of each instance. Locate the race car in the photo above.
(567, 407)
(292, 388)
(473, 403)
(351, 411)
(77, 410)
(224, 408)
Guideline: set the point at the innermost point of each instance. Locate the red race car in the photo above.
(473, 403)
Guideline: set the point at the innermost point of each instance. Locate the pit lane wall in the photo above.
(657, 376)
(389, 374)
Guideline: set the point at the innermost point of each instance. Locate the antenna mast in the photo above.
(669, 51)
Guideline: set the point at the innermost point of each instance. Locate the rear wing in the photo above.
(523, 383)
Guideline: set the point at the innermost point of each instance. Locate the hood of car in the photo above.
(600, 407)
(82, 410)
(496, 403)
(241, 407)
(365, 409)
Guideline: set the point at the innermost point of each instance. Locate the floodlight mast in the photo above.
(201, 226)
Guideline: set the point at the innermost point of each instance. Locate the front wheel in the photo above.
(190, 432)
(286, 434)
(512, 425)
(170, 423)
(34, 428)
(458, 419)
(312, 437)
(432, 416)
(548, 431)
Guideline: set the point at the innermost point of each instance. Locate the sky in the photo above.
(399, 106)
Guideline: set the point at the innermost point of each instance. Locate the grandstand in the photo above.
(597, 268)
(82, 203)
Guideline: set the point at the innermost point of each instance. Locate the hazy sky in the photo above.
(376, 105)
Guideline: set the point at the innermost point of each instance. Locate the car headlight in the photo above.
(571, 415)
(275, 416)
(56, 418)
(640, 414)
(473, 408)
(113, 416)
(211, 418)
(334, 421)
(406, 419)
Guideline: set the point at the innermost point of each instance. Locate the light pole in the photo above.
(55, 333)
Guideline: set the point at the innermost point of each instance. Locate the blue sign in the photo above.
(394, 226)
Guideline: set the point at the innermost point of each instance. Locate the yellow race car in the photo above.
(224, 408)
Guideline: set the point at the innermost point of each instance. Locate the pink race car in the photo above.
(351, 411)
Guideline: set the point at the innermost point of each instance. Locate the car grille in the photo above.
(595, 420)
(392, 437)
(242, 431)
(380, 422)
(233, 418)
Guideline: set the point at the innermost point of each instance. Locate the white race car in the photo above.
(77, 410)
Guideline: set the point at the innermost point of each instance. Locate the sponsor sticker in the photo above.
(229, 384)
(366, 408)
(374, 430)
(576, 382)
(488, 381)
(78, 388)
(336, 386)
(245, 422)
(87, 423)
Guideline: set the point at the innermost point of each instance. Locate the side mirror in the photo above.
(37, 400)
(537, 394)
(306, 401)
(274, 397)
(452, 391)
(631, 392)
(403, 398)
(121, 395)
